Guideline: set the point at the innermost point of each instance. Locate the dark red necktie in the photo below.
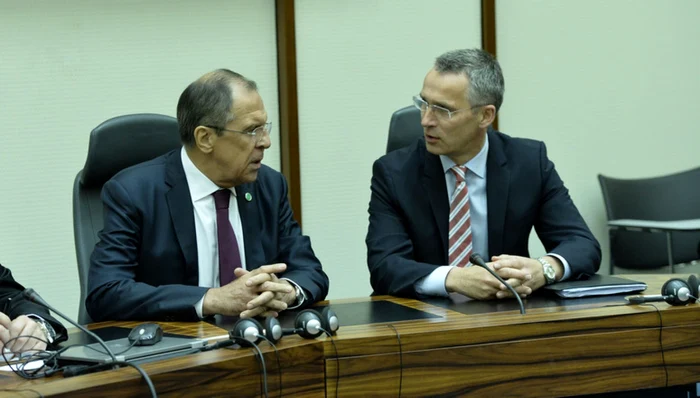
(229, 255)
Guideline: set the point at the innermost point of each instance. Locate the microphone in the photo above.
(477, 260)
(34, 297)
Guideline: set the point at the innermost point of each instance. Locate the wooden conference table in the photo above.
(388, 346)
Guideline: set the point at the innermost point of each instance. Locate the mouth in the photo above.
(256, 163)
(429, 138)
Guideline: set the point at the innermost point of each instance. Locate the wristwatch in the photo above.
(45, 327)
(550, 275)
(300, 296)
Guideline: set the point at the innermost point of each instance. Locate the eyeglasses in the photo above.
(438, 111)
(257, 132)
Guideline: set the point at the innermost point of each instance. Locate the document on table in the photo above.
(596, 285)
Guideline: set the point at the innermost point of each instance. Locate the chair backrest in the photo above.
(114, 145)
(666, 198)
(404, 128)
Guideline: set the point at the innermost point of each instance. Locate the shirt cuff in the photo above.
(567, 267)
(199, 307)
(301, 295)
(434, 283)
(46, 327)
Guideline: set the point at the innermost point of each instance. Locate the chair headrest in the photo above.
(127, 140)
(404, 128)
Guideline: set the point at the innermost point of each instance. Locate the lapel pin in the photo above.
(248, 196)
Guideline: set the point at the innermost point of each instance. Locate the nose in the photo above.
(428, 118)
(264, 142)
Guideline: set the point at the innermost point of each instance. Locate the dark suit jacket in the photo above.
(409, 211)
(145, 265)
(13, 304)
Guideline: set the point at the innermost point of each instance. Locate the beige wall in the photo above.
(67, 66)
(611, 87)
(358, 62)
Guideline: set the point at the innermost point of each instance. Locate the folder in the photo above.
(596, 285)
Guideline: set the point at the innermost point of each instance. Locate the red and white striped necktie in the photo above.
(460, 235)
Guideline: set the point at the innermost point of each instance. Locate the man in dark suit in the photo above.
(206, 229)
(21, 317)
(462, 190)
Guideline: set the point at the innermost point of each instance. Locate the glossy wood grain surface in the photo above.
(223, 372)
(552, 351)
(573, 348)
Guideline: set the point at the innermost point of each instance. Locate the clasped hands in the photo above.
(21, 326)
(524, 274)
(253, 293)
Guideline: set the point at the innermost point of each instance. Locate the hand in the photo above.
(21, 326)
(233, 298)
(505, 264)
(274, 295)
(477, 283)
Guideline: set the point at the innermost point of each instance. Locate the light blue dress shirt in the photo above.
(434, 283)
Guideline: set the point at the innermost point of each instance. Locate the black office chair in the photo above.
(666, 198)
(404, 128)
(114, 145)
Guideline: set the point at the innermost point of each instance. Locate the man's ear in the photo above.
(488, 115)
(204, 138)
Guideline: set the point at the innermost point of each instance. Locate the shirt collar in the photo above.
(476, 165)
(200, 185)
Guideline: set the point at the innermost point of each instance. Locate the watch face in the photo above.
(550, 272)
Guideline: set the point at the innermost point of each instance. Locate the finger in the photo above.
(4, 334)
(513, 282)
(515, 273)
(253, 312)
(16, 329)
(239, 272)
(257, 279)
(35, 342)
(275, 287)
(492, 283)
(504, 263)
(5, 320)
(274, 314)
(260, 300)
(270, 269)
(523, 291)
(276, 305)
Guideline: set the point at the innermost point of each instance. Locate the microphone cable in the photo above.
(262, 365)
(277, 355)
(661, 341)
(337, 361)
(34, 297)
(477, 260)
(398, 338)
(22, 359)
(69, 371)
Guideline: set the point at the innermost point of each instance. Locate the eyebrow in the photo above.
(438, 103)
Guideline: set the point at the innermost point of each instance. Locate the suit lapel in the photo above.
(182, 215)
(433, 181)
(250, 221)
(497, 184)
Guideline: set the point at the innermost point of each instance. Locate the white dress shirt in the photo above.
(201, 190)
(434, 283)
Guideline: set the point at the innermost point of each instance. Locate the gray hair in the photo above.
(208, 102)
(486, 85)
